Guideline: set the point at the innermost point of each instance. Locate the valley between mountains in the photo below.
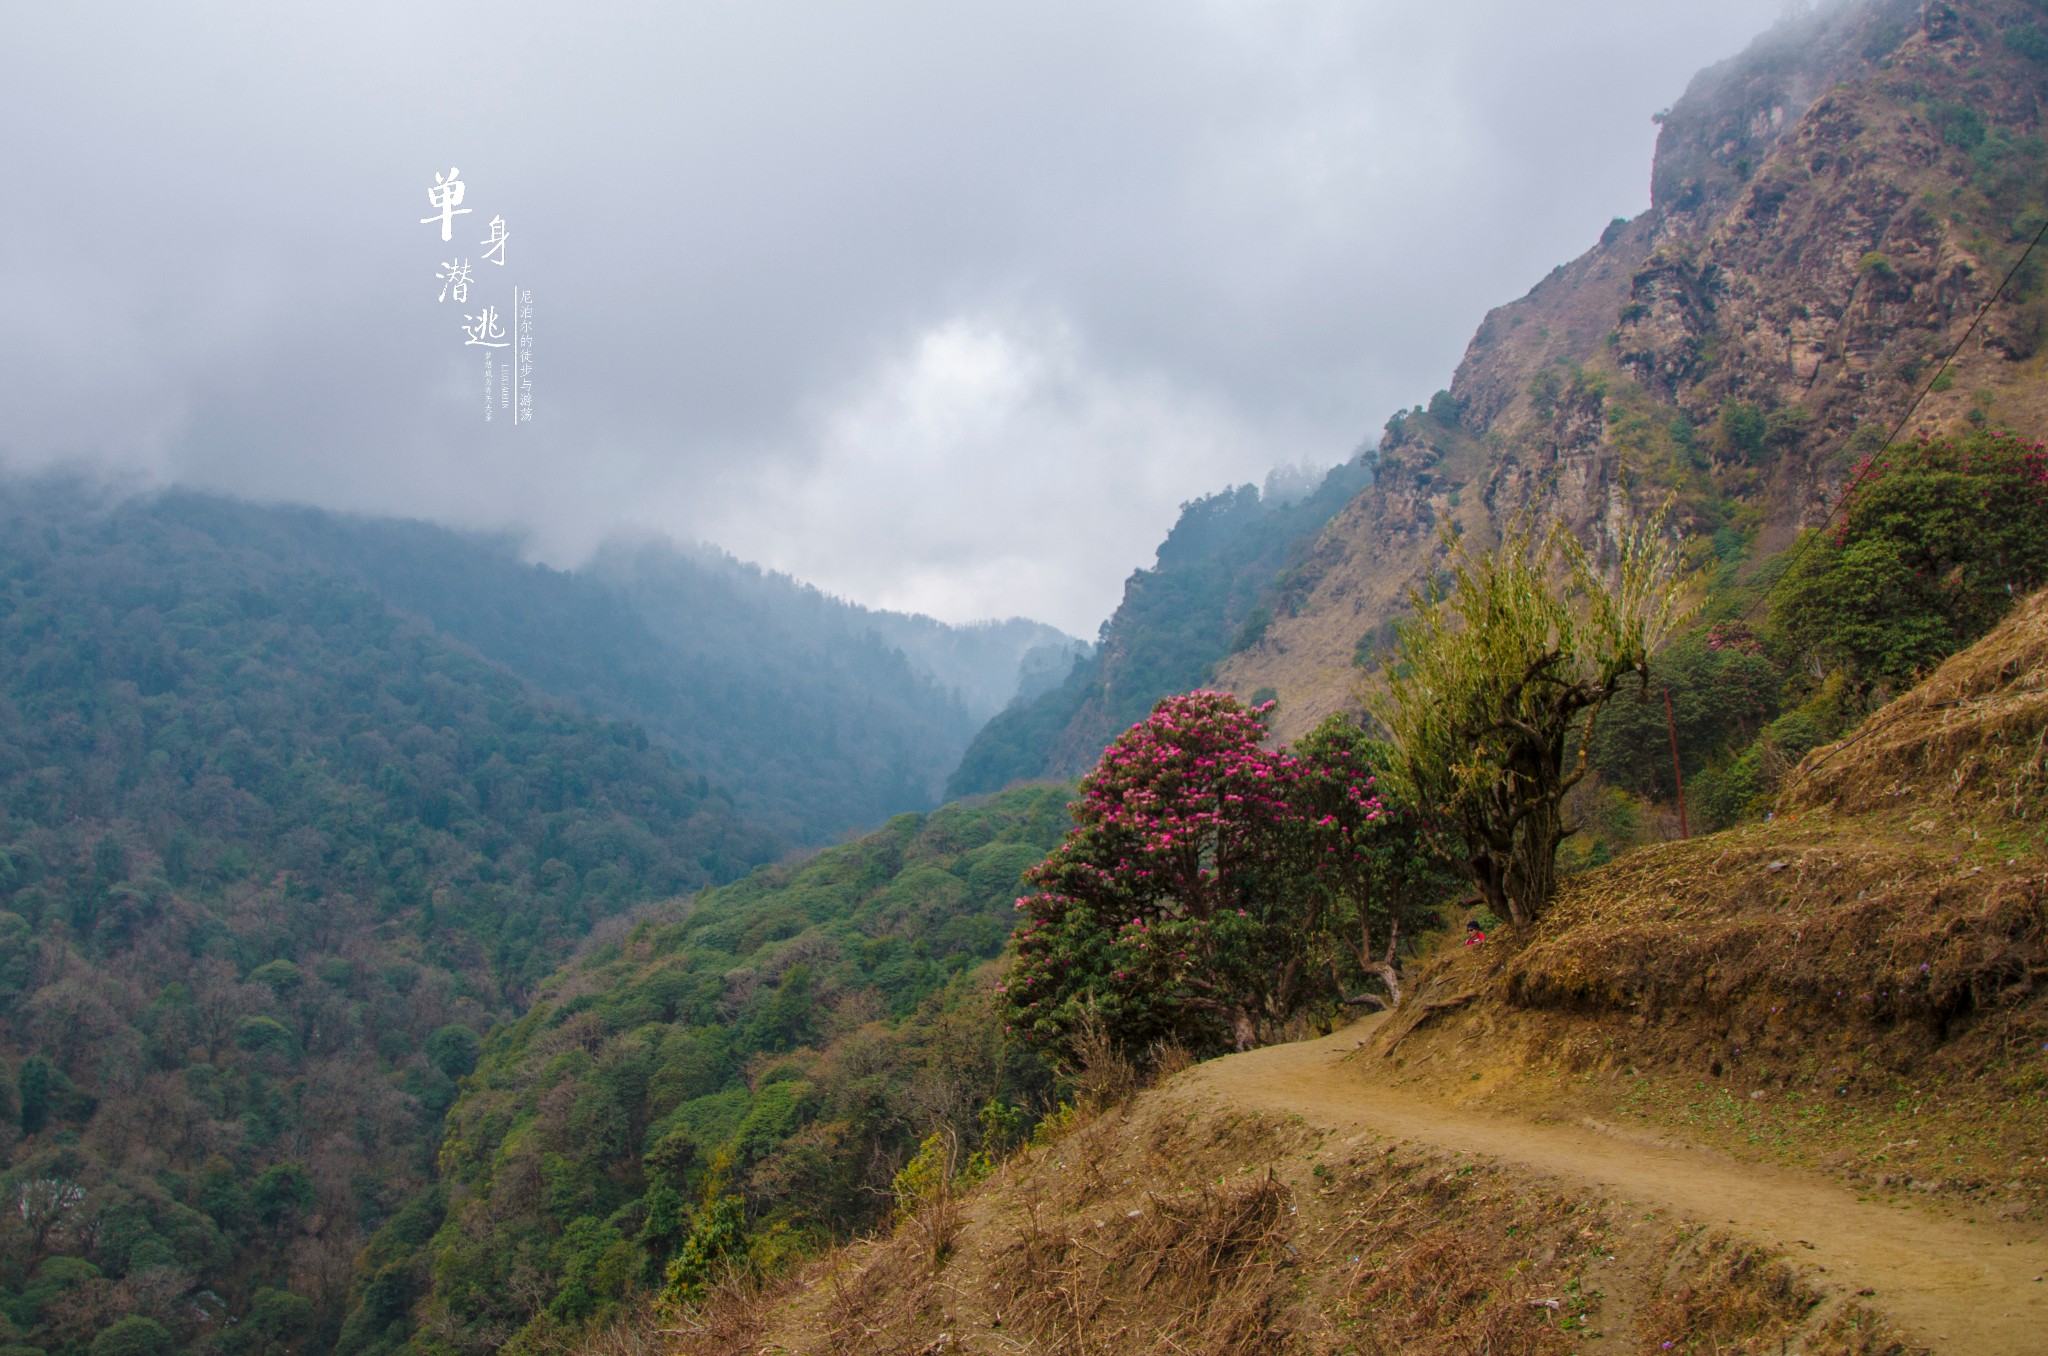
(410, 950)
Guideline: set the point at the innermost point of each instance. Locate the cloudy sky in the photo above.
(943, 305)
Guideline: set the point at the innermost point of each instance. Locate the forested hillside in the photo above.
(739, 1077)
(273, 859)
(819, 716)
(1220, 574)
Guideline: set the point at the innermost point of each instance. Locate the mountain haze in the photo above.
(1211, 590)
(820, 716)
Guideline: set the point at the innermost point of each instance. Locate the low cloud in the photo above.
(1019, 466)
(940, 306)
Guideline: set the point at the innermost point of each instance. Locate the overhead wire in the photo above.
(1871, 464)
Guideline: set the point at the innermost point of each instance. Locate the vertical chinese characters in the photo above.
(488, 328)
(454, 282)
(485, 331)
(525, 352)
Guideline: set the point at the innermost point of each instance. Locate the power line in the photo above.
(1864, 472)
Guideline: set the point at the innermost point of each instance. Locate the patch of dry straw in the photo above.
(1974, 734)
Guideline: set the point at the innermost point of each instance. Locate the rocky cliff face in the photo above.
(1830, 210)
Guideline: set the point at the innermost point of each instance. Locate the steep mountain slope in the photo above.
(1830, 210)
(818, 715)
(1212, 589)
(272, 858)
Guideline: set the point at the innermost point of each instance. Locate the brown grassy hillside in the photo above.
(1164, 1228)
(1859, 984)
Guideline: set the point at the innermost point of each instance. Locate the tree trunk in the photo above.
(1492, 883)
(1383, 968)
(1532, 872)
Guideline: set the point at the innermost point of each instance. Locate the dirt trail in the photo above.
(1958, 1287)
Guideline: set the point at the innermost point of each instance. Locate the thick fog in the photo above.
(942, 306)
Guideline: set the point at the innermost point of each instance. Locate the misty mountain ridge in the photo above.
(1209, 592)
(983, 664)
(818, 715)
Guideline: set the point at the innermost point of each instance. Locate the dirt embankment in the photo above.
(1950, 1283)
(1859, 986)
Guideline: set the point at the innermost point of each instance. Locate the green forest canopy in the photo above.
(271, 859)
(785, 1040)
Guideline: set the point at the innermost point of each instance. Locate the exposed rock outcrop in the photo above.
(1830, 211)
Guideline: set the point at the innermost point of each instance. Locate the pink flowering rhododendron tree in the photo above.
(1366, 852)
(1206, 894)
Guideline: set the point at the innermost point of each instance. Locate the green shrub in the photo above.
(1933, 545)
(281, 977)
(280, 1317)
(264, 1036)
(925, 1177)
(1727, 793)
(1959, 125)
(717, 1245)
(1743, 429)
(281, 1194)
(1055, 1125)
(454, 1049)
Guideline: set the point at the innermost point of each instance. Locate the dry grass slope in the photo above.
(1152, 1229)
(1856, 986)
(1971, 741)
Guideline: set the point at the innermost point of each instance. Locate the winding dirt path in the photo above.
(1963, 1288)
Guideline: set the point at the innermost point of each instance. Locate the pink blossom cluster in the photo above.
(1734, 636)
(1181, 832)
